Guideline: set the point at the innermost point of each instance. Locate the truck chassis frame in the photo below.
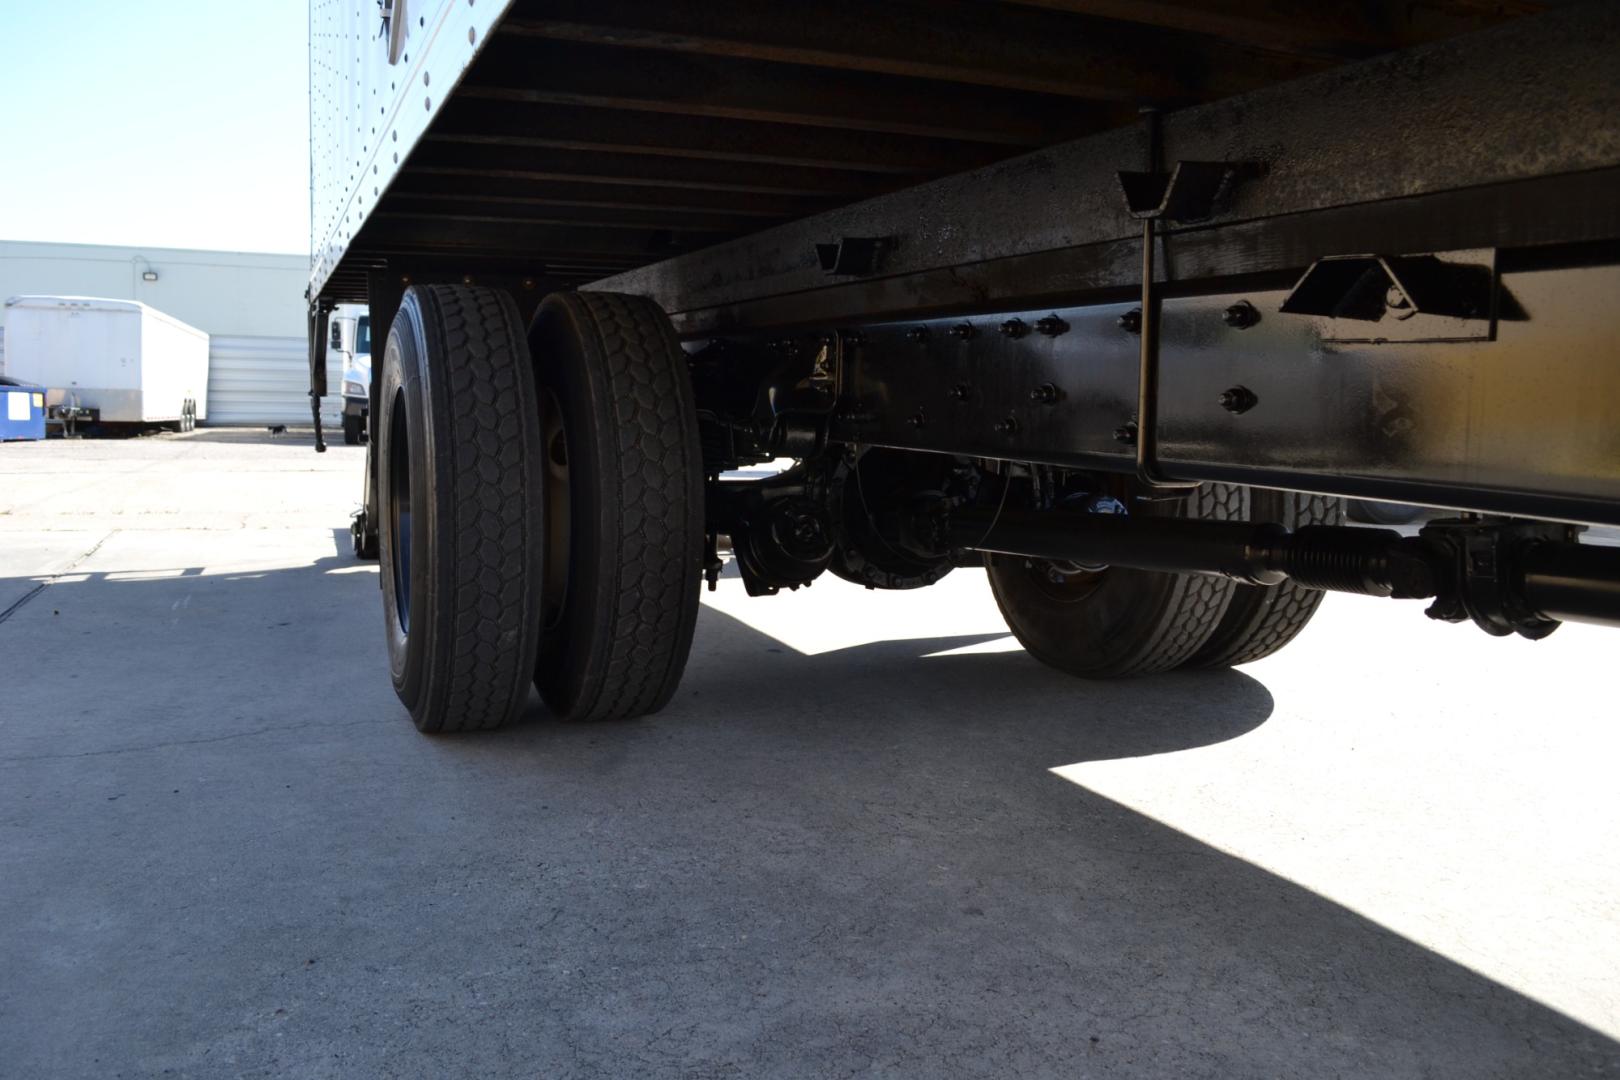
(1384, 281)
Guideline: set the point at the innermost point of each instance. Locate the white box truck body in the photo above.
(126, 362)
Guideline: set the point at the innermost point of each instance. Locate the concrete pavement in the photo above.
(870, 837)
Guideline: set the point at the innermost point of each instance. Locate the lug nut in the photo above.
(917, 333)
(1126, 434)
(1009, 426)
(960, 392)
(917, 419)
(1131, 321)
(963, 331)
(1239, 399)
(1241, 315)
(1051, 325)
(1015, 328)
(1044, 394)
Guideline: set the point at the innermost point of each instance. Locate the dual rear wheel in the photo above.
(539, 506)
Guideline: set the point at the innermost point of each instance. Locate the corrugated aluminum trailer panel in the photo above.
(130, 362)
(370, 100)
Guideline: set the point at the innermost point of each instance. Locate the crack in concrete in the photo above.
(54, 578)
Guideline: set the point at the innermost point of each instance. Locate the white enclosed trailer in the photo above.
(125, 362)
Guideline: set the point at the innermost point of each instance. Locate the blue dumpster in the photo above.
(22, 411)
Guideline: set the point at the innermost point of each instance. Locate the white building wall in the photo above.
(236, 293)
(250, 303)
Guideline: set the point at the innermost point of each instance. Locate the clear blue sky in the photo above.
(172, 123)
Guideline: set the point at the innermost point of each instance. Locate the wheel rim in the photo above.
(399, 517)
(1070, 582)
(559, 529)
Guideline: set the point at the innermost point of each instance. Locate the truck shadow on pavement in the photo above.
(852, 863)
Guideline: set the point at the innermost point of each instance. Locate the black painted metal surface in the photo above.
(574, 139)
(1534, 98)
(1505, 142)
(1522, 422)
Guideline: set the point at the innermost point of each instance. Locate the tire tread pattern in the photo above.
(654, 477)
(1177, 612)
(489, 540)
(1203, 598)
(1262, 619)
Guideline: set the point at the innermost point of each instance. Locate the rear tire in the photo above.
(351, 430)
(1113, 621)
(459, 500)
(1261, 619)
(625, 478)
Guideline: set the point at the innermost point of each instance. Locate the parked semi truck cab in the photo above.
(1117, 302)
(350, 338)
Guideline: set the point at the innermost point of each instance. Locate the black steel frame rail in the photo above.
(1500, 152)
(1532, 99)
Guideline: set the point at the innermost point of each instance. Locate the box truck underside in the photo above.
(589, 139)
(1116, 299)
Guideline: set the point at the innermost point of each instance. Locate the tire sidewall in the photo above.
(566, 354)
(403, 387)
(635, 541)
